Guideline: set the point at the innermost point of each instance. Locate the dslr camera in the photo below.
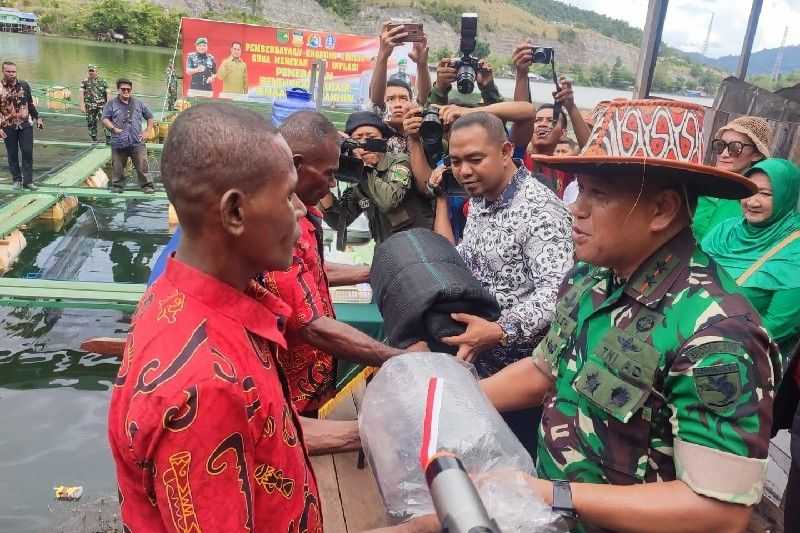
(449, 185)
(467, 65)
(351, 168)
(431, 132)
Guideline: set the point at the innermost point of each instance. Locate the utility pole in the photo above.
(704, 51)
(776, 69)
(651, 40)
(749, 37)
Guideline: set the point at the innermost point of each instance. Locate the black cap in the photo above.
(366, 118)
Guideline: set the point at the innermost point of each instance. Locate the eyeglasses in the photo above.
(734, 147)
(125, 89)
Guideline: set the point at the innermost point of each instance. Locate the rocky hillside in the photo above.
(502, 24)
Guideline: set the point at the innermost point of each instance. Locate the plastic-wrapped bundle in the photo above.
(460, 420)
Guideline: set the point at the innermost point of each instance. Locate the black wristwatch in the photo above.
(562, 501)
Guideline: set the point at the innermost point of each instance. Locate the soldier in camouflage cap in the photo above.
(94, 95)
(654, 376)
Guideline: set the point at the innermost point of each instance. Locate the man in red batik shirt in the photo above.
(200, 427)
(313, 334)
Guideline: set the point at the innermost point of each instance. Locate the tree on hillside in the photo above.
(620, 77)
(599, 75)
(482, 49)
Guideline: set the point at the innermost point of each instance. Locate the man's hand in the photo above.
(484, 76)
(445, 75)
(390, 38)
(419, 346)
(412, 122)
(83, 107)
(2, 134)
(436, 177)
(522, 58)
(480, 335)
(419, 53)
(40, 123)
(565, 96)
(450, 113)
(211, 78)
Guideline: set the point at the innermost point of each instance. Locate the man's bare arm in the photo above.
(330, 436)
(346, 342)
(340, 274)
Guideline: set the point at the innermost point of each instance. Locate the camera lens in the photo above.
(539, 55)
(431, 128)
(465, 79)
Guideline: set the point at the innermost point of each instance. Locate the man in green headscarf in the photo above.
(761, 250)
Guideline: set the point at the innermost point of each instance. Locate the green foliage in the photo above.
(234, 15)
(599, 75)
(443, 12)
(140, 22)
(620, 77)
(344, 8)
(481, 49)
(784, 80)
(567, 35)
(441, 53)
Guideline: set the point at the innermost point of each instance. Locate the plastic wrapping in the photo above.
(391, 423)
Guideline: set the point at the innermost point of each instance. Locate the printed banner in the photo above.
(258, 63)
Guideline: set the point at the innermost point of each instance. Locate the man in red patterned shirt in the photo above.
(313, 334)
(200, 427)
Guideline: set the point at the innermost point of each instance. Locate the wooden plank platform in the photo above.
(351, 502)
(85, 192)
(82, 144)
(39, 292)
(23, 209)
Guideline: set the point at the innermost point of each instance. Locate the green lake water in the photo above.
(53, 396)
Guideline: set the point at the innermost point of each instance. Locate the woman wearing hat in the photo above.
(737, 145)
(761, 250)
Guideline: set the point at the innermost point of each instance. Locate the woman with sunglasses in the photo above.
(761, 250)
(737, 146)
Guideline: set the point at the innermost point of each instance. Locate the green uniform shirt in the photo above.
(666, 376)
(94, 93)
(710, 212)
(233, 73)
(388, 196)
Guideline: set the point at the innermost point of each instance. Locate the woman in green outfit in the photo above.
(737, 146)
(761, 250)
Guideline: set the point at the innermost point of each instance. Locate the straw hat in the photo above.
(754, 128)
(657, 138)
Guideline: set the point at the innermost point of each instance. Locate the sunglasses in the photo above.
(734, 147)
(125, 89)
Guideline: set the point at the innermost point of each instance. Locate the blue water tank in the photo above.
(296, 100)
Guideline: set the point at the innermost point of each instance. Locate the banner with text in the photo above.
(258, 63)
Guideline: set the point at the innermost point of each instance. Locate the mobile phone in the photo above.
(413, 29)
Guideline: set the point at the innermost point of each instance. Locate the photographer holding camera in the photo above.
(385, 190)
(394, 96)
(465, 71)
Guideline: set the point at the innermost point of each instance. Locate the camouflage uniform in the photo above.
(94, 98)
(389, 197)
(666, 376)
(172, 88)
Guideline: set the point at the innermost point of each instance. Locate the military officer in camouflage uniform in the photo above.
(94, 95)
(654, 377)
(388, 195)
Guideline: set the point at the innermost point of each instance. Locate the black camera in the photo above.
(351, 168)
(449, 185)
(543, 54)
(467, 65)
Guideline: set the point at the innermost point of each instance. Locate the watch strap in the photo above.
(562, 500)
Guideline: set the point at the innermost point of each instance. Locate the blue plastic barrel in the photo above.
(296, 100)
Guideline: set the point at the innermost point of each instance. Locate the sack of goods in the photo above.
(418, 279)
(422, 405)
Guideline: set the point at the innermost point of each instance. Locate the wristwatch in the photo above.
(562, 502)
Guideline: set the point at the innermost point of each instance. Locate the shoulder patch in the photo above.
(718, 386)
(696, 353)
(399, 173)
